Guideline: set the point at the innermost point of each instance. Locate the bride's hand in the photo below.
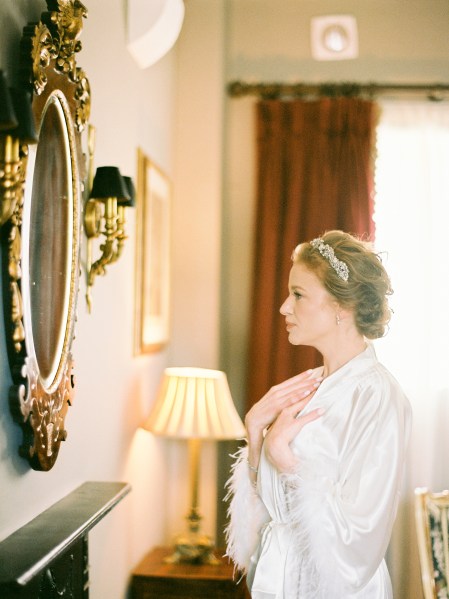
(294, 391)
(285, 428)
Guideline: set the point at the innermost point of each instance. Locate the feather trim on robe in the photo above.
(247, 513)
(310, 566)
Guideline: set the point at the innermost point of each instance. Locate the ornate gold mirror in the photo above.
(43, 233)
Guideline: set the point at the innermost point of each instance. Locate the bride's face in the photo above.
(310, 311)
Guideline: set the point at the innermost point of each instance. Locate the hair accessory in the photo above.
(340, 267)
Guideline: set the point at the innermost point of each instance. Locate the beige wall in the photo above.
(197, 225)
(399, 40)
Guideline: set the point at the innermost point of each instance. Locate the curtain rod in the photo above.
(433, 91)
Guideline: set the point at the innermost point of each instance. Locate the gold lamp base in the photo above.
(193, 547)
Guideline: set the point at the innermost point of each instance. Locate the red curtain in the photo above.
(315, 173)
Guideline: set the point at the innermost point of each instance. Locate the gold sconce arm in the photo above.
(110, 233)
(120, 236)
(17, 130)
(122, 206)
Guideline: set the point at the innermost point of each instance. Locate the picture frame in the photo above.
(152, 293)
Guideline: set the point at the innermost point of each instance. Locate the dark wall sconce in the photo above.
(17, 131)
(104, 215)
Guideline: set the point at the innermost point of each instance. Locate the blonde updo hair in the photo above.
(368, 286)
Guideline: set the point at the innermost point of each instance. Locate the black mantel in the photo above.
(48, 557)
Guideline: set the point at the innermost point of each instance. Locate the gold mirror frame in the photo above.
(42, 246)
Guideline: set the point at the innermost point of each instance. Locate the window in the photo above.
(412, 225)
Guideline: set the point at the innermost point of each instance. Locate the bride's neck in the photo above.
(341, 354)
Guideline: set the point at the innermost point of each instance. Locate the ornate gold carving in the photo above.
(45, 414)
(18, 333)
(10, 177)
(14, 264)
(42, 52)
(55, 39)
(82, 94)
(49, 69)
(68, 19)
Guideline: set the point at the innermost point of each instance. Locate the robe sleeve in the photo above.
(342, 523)
(247, 513)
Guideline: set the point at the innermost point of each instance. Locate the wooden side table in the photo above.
(155, 579)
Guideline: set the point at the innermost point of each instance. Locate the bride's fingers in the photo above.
(296, 409)
(294, 385)
(303, 418)
(299, 382)
(303, 395)
(306, 374)
(283, 395)
(310, 416)
(290, 423)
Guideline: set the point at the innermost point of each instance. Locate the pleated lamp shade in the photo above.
(195, 403)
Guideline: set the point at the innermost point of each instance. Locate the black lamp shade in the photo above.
(109, 183)
(132, 193)
(8, 119)
(26, 130)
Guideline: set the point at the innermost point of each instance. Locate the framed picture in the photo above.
(152, 256)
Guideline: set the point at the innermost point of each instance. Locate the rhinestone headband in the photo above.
(340, 267)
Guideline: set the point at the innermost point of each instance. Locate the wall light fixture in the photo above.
(17, 130)
(104, 214)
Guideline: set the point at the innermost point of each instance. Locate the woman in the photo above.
(314, 492)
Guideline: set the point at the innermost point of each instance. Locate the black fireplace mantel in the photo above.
(48, 557)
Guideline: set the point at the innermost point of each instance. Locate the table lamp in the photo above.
(194, 404)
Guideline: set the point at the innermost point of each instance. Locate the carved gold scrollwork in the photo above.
(67, 16)
(14, 259)
(82, 94)
(46, 413)
(13, 168)
(42, 52)
(43, 380)
(10, 173)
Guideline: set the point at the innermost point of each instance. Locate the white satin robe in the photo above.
(322, 532)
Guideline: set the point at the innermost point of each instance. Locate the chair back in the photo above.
(431, 515)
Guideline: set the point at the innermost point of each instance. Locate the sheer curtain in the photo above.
(412, 226)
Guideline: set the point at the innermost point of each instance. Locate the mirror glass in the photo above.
(50, 241)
